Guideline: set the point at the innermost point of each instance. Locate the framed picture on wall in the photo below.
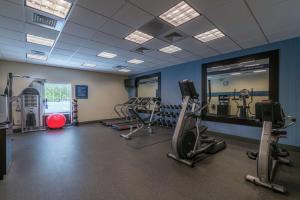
(81, 91)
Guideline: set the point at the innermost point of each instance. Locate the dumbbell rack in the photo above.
(167, 115)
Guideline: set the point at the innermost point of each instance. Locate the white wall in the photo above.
(105, 90)
(147, 89)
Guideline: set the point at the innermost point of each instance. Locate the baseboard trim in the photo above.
(253, 141)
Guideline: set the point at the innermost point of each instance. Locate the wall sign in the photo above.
(81, 91)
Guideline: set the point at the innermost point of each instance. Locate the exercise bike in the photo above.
(189, 142)
(270, 154)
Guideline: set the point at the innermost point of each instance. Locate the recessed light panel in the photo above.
(170, 49)
(89, 65)
(107, 54)
(59, 8)
(179, 14)
(210, 35)
(124, 70)
(36, 56)
(139, 37)
(39, 40)
(135, 61)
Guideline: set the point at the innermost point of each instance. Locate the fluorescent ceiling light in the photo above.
(209, 35)
(235, 74)
(179, 14)
(260, 71)
(59, 8)
(124, 70)
(138, 37)
(39, 40)
(107, 54)
(89, 65)
(135, 61)
(170, 49)
(36, 56)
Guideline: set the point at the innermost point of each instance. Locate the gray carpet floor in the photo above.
(93, 162)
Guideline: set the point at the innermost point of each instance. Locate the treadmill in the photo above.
(119, 109)
(143, 103)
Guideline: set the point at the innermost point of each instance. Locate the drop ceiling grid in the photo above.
(112, 16)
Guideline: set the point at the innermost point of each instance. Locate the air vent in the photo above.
(43, 20)
(172, 37)
(141, 50)
(156, 27)
(120, 67)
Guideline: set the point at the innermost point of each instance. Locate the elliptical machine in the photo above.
(270, 155)
(189, 142)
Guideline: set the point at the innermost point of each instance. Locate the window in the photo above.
(237, 85)
(58, 98)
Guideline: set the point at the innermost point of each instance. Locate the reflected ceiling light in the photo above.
(209, 35)
(124, 70)
(59, 8)
(179, 14)
(135, 61)
(89, 65)
(235, 74)
(170, 49)
(224, 69)
(260, 71)
(36, 56)
(252, 65)
(250, 61)
(39, 40)
(139, 37)
(106, 55)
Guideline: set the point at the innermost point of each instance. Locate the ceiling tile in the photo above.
(107, 8)
(223, 45)
(156, 7)
(62, 52)
(71, 39)
(66, 46)
(116, 29)
(79, 31)
(156, 43)
(280, 22)
(196, 47)
(196, 26)
(11, 24)
(9, 9)
(12, 34)
(87, 18)
(132, 16)
(234, 19)
(40, 31)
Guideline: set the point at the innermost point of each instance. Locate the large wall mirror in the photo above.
(148, 86)
(238, 84)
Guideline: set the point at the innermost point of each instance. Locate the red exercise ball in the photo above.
(56, 121)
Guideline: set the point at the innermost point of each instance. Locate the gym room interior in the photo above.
(149, 99)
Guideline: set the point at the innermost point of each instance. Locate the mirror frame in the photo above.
(273, 83)
(137, 79)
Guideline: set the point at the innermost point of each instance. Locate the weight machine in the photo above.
(30, 103)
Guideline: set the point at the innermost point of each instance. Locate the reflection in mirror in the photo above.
(237, 87)
(148, 87)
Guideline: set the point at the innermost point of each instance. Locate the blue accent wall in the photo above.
(289, 87)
